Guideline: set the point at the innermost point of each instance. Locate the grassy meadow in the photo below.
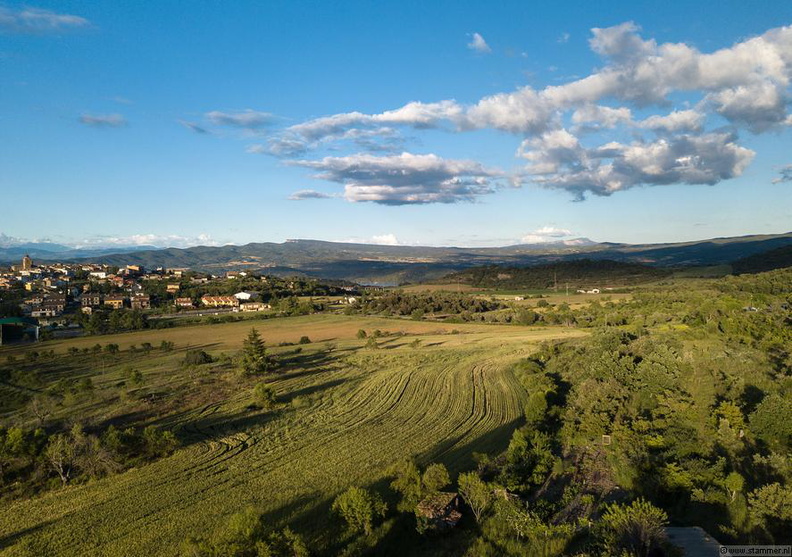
(345, 413)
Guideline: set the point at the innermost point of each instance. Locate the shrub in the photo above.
(264, 395)
(196, 358)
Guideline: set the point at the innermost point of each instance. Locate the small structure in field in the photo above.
(439, 511)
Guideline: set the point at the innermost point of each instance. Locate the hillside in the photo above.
(582, 273)
(778, 258)
(377, 264)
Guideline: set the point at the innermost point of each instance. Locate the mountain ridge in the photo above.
(386, 264)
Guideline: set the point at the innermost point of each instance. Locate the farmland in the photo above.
(345, 414)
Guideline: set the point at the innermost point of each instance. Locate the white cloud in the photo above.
(747, 84)
(545, 234)
(249, 119)
(38, 21)
(602, 115)
(759, 106)
(385, 240)
(157, 240)
(563, 38)
(478, 44)
(676, 121)
(559, 161)
(103, 120)
(406, 179)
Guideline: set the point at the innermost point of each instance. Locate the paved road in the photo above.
(694, 542)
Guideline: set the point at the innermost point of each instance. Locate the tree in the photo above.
(734, 484)
(304, 340)
(770, 508)
(637, 528)
(434, 479)
(359, 508)
(407, 481)
(476, 493)
(254, 354)
(60, 454)
(361, 334)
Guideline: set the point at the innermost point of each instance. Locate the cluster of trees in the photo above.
(419, 304)
(700, 428)
(102, 322)
(33, 460)
(583, 273)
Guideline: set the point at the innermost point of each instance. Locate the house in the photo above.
(115, 302)
(91, 300)
(220, 301)
(47, 309)
(141, 301)
(593, 291)
(440, 511)
(101, 275)
(253, 306)
(184, 303)
(173, 288)
(35, 300)
(246, 296)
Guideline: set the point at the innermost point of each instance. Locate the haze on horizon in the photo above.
(448, 124)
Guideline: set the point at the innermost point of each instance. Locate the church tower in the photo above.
(27, 263)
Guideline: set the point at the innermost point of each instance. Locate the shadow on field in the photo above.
(295, 359)
(312, 389)
(31, 544)
(215, 426)
(460, 458)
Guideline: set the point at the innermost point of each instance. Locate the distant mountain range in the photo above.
(50, 252)
(378, 264)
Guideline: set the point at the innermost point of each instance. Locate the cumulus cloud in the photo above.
(406, 179)
(745, 84)
(302, 195)
(604, 116)
(38, 21)
(248, 119)
(758, 106)
(103, 120)
(545, 234)
(676, 121)
(478, 44)
(785, 175)
(559, 161)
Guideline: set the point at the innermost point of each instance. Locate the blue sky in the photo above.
(434, 123)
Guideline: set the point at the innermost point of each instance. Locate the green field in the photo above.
(347, 413)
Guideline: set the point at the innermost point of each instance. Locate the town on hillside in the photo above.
(70, 299)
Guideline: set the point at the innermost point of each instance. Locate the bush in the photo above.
(196, 358)
(264, 395)
(634, 529)
(304, 340)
